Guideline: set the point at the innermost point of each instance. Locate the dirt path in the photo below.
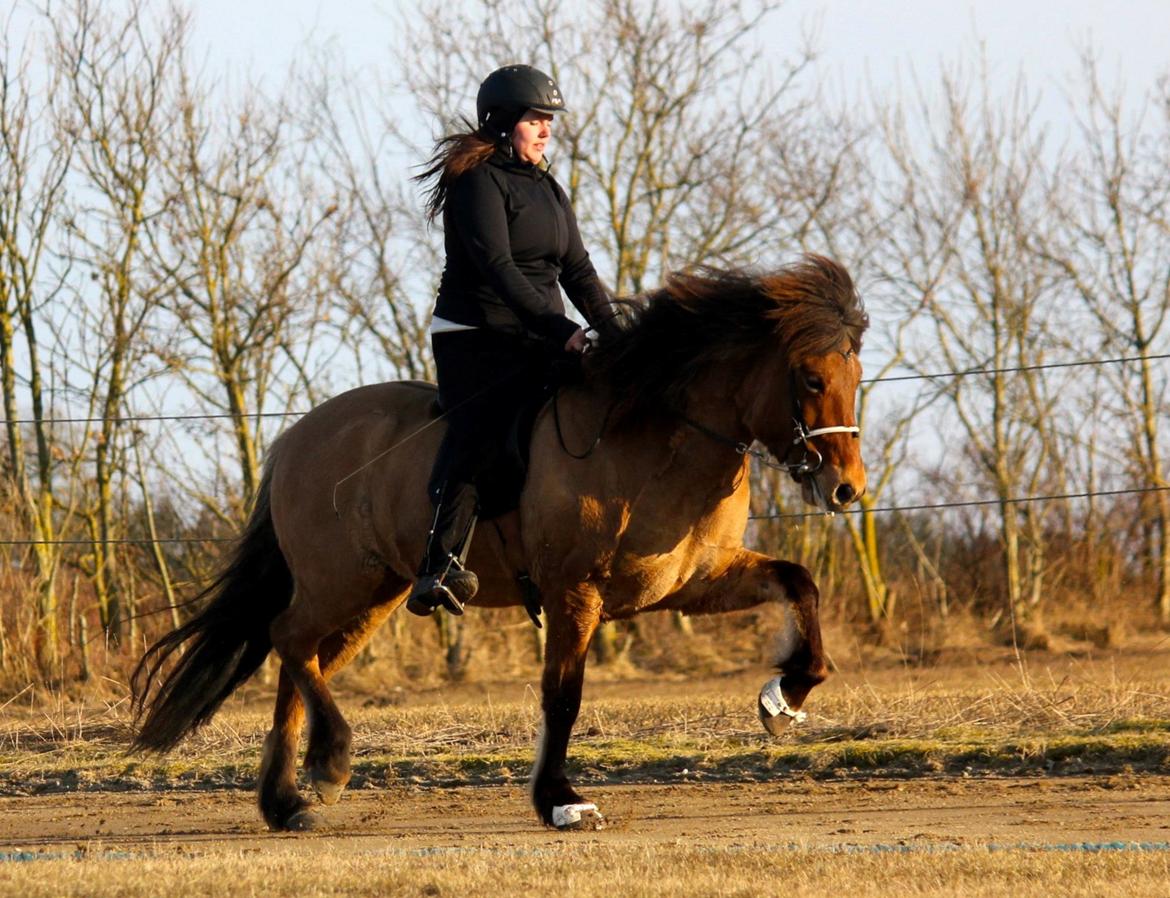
(1007, 812)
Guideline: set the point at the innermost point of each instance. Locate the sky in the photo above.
(863, 43)
(865, 46)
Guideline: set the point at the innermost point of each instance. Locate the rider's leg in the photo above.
(442, 578)
(470, 395)
(485, 378)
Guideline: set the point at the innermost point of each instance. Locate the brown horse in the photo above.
(651, 517)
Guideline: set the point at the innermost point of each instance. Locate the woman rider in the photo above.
(510, 236)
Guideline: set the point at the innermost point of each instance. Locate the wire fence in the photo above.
(898, 378)
(974, 503)
(969, 372)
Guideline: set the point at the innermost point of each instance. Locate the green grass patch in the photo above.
(663, 758)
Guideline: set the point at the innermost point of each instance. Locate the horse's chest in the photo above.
(646, 572)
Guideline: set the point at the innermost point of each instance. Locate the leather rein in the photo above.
(801, 437)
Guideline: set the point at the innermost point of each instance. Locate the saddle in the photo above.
(500, 484)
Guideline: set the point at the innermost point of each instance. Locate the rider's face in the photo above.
(531, 136)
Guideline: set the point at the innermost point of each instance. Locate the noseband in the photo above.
(802, 437)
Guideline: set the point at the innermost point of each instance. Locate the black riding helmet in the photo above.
(507, 93)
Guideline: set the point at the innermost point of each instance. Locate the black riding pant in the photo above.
(487, 380)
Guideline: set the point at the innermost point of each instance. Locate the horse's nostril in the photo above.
(844, 494)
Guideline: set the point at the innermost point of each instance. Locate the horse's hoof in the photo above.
(305, 821)
(327, 792)
(575, 817)
(775, 713)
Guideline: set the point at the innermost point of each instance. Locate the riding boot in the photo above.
(442, 577)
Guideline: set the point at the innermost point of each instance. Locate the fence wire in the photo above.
(973, 503)
(214, 416)
(755, 517)
(186, 540)
(969, 372)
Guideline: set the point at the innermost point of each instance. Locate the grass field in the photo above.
(984, 723)
(1052, 715)
(593, 870)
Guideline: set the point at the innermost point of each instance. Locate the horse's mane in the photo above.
(712, 316)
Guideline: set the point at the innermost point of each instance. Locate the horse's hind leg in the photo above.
(280, 799)
(571, 625)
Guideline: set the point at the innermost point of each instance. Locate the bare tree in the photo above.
(235, 231)
(374, 238)
(678, 115)
(113, 101)
(972, 188)
(1113, 251)
(35, 161)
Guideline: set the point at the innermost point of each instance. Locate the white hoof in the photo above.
(577, 816)
(775, 713)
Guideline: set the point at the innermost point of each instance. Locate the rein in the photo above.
(561, 437)
(801, 436)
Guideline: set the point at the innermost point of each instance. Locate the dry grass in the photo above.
(590, 869)
(1050, 714)
(1058, 716)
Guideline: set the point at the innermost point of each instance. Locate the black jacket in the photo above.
(510, 236)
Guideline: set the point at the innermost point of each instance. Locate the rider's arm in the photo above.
(580, 279)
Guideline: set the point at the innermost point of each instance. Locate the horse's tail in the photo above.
(226, 641)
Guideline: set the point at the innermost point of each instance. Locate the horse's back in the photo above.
(348, 483)
(373, 407)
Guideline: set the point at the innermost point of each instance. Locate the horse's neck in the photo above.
(687, 495)
(712, 404)
(693, 446)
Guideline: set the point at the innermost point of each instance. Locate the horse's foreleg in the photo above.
(571, 625)
(752, 579)
(799, 652)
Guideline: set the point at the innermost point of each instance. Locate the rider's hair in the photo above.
(454, 155)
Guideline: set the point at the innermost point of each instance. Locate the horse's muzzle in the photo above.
(830, 490)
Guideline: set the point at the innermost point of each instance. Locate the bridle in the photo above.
(801, 437)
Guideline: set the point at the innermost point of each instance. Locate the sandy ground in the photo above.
(807, 813)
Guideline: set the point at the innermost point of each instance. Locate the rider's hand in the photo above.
(578, 342)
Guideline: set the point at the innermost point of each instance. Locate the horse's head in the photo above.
(779, 354)
(799, 395)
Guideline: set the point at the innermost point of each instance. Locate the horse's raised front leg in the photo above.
(571, 625)
(279, 797)
(752, 579)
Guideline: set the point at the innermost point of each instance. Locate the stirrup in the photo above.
(451, 589)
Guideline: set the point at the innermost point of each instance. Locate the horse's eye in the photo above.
(813, 383)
